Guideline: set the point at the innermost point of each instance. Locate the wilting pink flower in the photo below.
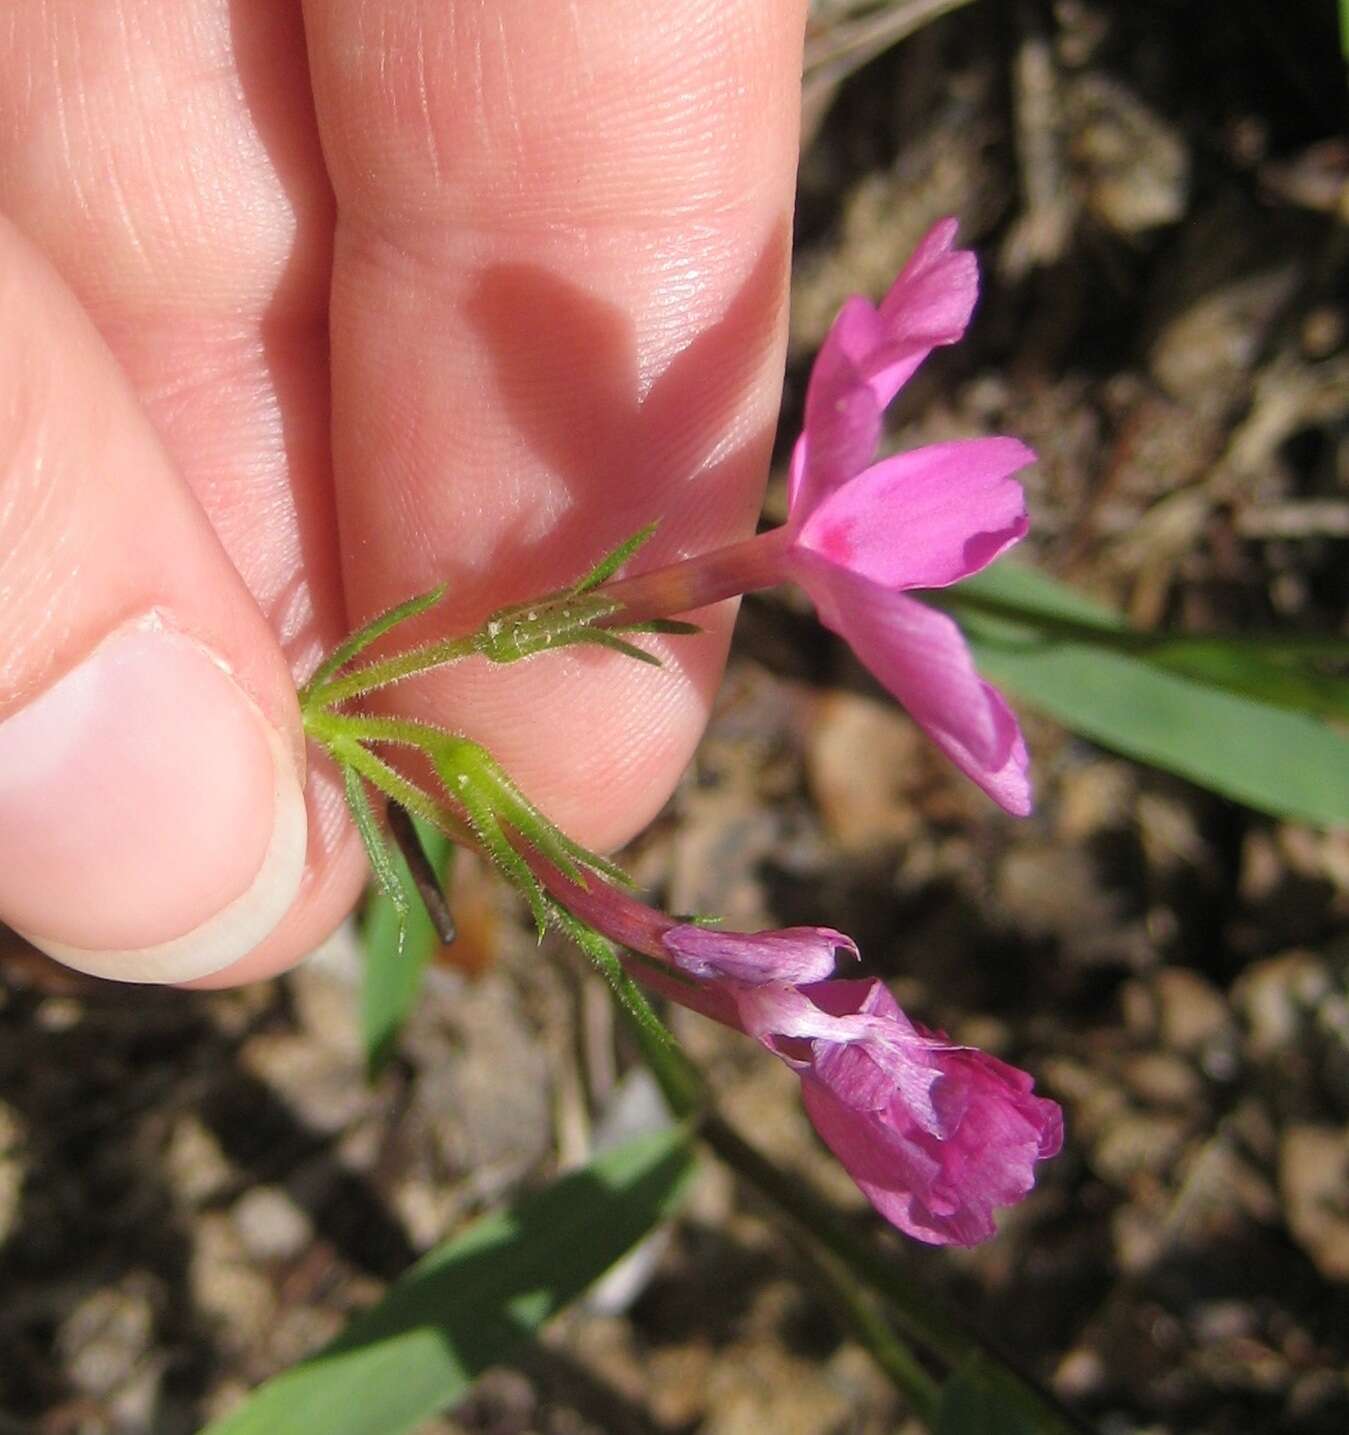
(937, 1136)
(860, 535)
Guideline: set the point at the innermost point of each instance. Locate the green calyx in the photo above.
(479, 806)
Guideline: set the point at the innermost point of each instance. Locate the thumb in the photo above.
(152, 825)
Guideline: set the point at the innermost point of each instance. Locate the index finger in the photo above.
(558, 301)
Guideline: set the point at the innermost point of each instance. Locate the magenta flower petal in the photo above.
(937, 1136)
(794, 1024)
(791, 954)
(870, 353)
(928, 305)
(843, 415)
(924, 519)
(940, 1185)
(920, 656)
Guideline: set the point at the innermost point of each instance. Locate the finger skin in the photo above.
(558, 301)
(166, 159)
(139, 792)
(646, 198)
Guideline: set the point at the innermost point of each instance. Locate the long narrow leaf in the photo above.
(398, 947)
(981, 1399)
(1064, 654)
(1287, 670)
(360, 640)
(474, 1302)
(614, 560)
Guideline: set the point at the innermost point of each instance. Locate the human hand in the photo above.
(301, 316)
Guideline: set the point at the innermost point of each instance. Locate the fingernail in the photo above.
(152, 826)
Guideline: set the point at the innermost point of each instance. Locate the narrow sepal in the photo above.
(577, 614)
(503, 853)
(674, 627)
(465, 768)
(602, 638)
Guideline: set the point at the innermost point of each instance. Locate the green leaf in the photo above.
(475, 1301)
(372, 839)
(363, 637)
(1274, 672)
(399, 946)
(982, 1399)
(1287, 670)
(613, 560)
(1024, 592)
(1073, 659)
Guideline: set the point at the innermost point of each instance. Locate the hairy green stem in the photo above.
(385, 671)
(328, 727)
(392, 784)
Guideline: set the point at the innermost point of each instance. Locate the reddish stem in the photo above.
(758, 562)
(634, 927)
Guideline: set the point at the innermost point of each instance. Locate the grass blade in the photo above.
(475, 1301)
(980, 1399)
(396, 966)
(1287, 670)
(1060, 652)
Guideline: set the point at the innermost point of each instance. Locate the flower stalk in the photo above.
(696, 582)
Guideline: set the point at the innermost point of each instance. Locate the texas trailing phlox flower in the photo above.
(859, 534)
(936, 1135)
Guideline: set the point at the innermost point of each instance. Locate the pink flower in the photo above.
(792, 954)
(937, 1136)
(861, 534)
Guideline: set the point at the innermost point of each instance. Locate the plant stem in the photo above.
(328, 727)
(424, 876)
(857, 1311)
(393, 785)
(385, 671)
(922, 1317)
(932, 1327)
(692, 583)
